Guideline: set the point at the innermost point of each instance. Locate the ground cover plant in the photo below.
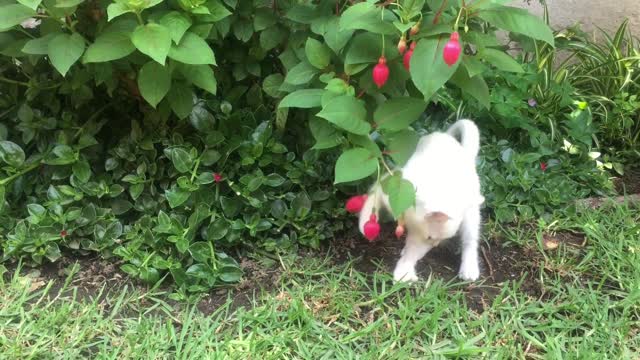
(575, 299)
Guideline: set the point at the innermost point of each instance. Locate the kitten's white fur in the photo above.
(448, 199)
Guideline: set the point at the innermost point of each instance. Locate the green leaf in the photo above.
(11, 153)
(153, 40)
(68, 3)
(193, 50)
(3, 195)
(500, 60)
(355, 164)
(154, 82)
(519, 21)
(218, 229)
(347, 113)
(181, 159)
(64, 50)
(401, 145)
(217, 12)
(429, 72)
(116, 9)
(325, 134)
(177, 24)
(272, 37)
(365, 16)
(305, 98)
(474, 86)
(274, 180)
(242, 29)
(301, 74)
(230, 274)
(39, 46)
(401, 192)
(176, 197)
(13, 14)
(335, 37)
(180, 99)
(201, 76)
(271, 85)
(317, 53)
(109, 46)
(301, 205)
(398, 113)
(82, 171)
(32, 4)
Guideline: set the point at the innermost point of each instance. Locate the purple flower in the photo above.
(532, 102)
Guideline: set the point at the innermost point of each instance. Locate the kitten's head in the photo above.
(440, 225)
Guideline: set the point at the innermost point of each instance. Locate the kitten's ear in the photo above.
(437, 216)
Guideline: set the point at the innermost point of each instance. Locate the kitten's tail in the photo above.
(374, 200)
(468, 133)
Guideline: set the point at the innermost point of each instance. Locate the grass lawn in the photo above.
(569, 289)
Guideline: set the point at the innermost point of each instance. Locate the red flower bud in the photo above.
(381, 72)
(372, 228)
(402, 45)
(543, 166)
(355, 203)
(414, 29)
(452, 49)
(217, 177)
(63, 233)
(407, 56)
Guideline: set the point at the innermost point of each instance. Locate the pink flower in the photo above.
(217, 177)
(63, 233)
(543, 166)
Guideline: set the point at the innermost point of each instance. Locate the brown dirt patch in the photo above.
(498, 264)
(629, 183)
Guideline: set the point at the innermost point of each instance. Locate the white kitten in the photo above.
(448, 199)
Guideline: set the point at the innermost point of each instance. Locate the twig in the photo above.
(486, 259)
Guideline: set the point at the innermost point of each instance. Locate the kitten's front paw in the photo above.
(405, 275)
(469, 272)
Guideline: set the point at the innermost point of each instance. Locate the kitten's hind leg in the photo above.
(414, 250)
(470, 236)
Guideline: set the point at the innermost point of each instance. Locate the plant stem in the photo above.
(18, 174)
(16, 82)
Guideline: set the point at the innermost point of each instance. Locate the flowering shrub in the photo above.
(161, 132)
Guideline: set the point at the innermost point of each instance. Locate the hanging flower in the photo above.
(452, 49)
(217, 177)
(355, 203)
(372, 228)
(543, 166)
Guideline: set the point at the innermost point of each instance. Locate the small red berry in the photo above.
(399, 231)
(543, 166)
(452, 49)
(217, 177)
(63, 233)
(402, 45)
(372, 228)
(355, 203)
(381, 72)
